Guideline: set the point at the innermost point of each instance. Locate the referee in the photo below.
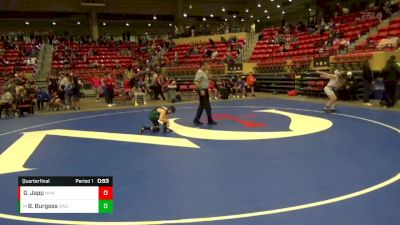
(201, 81)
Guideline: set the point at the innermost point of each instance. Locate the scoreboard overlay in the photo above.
(65, 194)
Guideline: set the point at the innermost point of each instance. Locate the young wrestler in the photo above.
(329, 89)
(159, 114)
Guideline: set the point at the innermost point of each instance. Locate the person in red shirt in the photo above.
(213, 89)
(250, 82)
(96, 85)
(109, 83)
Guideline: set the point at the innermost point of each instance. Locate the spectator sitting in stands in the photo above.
(214, 54)
(55, 102)
(176, 58)
(117, 65)
(287, 47)
(329, 41)
(341, 43)
(6, 100)
(195, 50)
(95, 64)
(208, 53)
(42, 97)
(5, 62)
(229, 59)
(138, 89)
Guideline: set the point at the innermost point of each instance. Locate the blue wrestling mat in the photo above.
(267, 162)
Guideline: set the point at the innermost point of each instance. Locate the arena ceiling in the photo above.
(164, 9)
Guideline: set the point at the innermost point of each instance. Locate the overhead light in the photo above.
(78, 23)
(190, 6)
(278, 6)
(26, 22)
(283, 12)
(154, 17)
(271, 0)
(211, 15)
(127, 24)
(234, 16)
(258, 5)
(149, 24)
(258, 21)
(104, 23)
(170, 24)
(268, 17)
(265, 11)
(54, 23)
(204, 18)
(247, 10)
(223, 9)
(184, 15)
(290, 0)
(251, 16)
(226, 19)
(242, 20)
(309, 9)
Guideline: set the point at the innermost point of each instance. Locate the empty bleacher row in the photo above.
(123, 55)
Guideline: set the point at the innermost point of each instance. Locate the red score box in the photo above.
(105, 193)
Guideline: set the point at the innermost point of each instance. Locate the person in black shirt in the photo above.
(391, 76)
(367, 81)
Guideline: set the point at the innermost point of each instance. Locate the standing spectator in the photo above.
(212, 88)
(52, 84)
(250, 83)
(367, 81)
(76, 93)
(202, 83)
(68, 92)
(171, 90)
(109, 83)
(96, 85)
(158, 88)
(391, 76)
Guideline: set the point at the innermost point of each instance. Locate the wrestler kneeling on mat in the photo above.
(157, 116)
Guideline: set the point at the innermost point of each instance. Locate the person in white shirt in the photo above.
(329, 89)
(202, 83)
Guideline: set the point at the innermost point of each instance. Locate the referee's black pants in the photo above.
(204, 104)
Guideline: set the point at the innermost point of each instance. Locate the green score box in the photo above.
(106, 206)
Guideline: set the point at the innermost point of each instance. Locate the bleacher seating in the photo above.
(389, 31)
(17, 57)
(106, 55)
(221, 47)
